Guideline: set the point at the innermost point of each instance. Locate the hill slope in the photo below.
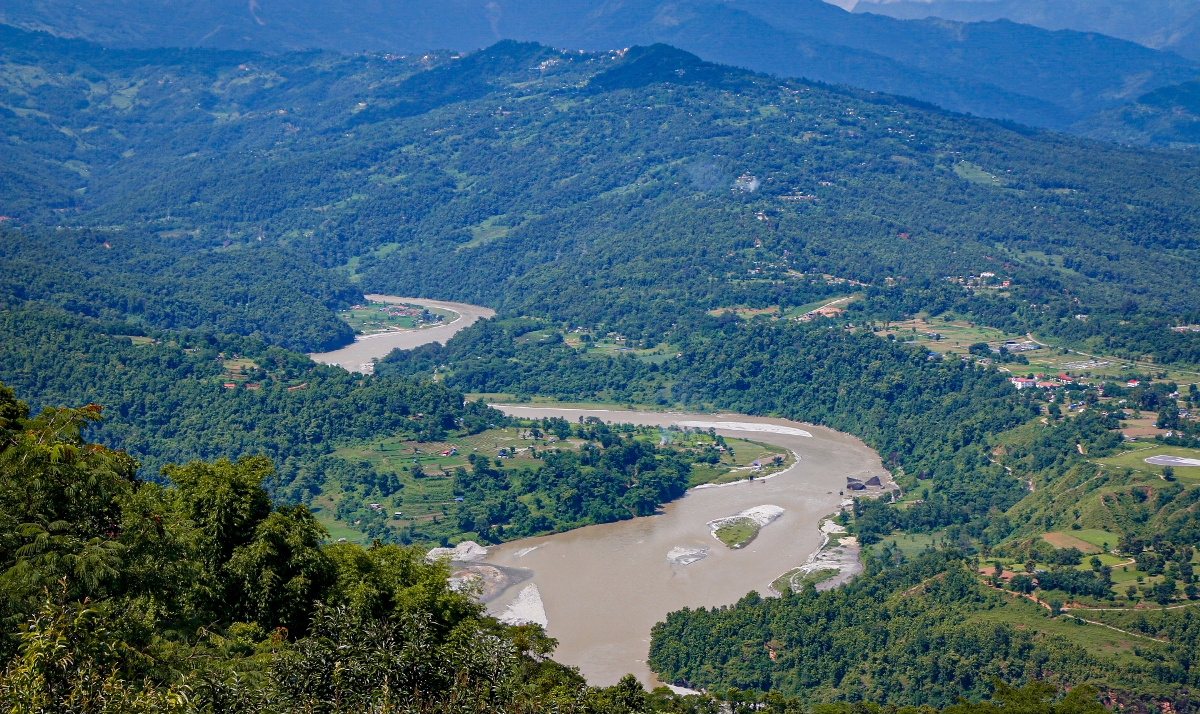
(526, 178)
(1005, 70)
(1169, 116)
(1162, 24)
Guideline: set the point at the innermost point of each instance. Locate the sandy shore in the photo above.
(836, 552)
(525, 608)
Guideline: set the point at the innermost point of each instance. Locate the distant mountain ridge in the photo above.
(1162, 24)
(996, 69)
(1169, 116)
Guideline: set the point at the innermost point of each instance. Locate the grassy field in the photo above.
(737, 532)
(910, 544)
(1098, 538)
(1136, 459)
(1065, 540)
(485, 232)
(1100, 641)
(381, 317)
(956, 335)
(976, 174)
(351, 267)
(338, 530)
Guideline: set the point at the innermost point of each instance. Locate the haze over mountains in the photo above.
(1162, 24)
(995, 69)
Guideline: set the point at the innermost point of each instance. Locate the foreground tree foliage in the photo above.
(129, 597)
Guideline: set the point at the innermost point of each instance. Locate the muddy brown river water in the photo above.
(356, 357)
(603, 587)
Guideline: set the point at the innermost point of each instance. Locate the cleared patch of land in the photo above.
(1062, 540)
(1135, 459)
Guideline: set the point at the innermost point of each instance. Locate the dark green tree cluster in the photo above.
(913, 633)
(155, 284)
(168, 402)
(620, 479)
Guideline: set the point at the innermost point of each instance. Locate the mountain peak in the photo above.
(661, 63)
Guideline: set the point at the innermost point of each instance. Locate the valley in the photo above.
(608, 381)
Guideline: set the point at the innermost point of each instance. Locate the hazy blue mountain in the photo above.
(1162, 24)
(996, 69)
(1165, 117)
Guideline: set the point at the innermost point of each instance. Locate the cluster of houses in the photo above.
(1040, 381)
(826, 311)
(984, 279)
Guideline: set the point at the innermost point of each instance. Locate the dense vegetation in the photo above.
(995, 69)
(618, 480)
(168, 402)
(917, 632)
(153, 283)
(636, 190)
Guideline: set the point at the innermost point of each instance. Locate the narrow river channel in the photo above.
(356, 357)
(602, 588)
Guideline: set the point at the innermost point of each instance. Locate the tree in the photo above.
(71, 660)
(277, 578)
(225, 500)
(1036, 697)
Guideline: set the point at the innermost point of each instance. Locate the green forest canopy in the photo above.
(222, 193)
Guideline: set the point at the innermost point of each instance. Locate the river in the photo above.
(357, 357)
(603, 587)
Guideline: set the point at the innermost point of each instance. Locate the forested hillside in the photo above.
(653, 230)
(148, 282)
(177, 400)
(1165, 117)
(645, 179)
(997, 69)
(1161, 24)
